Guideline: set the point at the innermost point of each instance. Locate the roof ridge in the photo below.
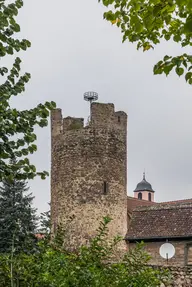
(164, 206)
(140, 200)
(175, 201)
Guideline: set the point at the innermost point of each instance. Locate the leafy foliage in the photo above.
(90, 266)
(147, 22)
(17, 218)
(17, 135)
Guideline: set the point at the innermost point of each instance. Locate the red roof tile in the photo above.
(133, 202)
(161, 221)
(178, 201)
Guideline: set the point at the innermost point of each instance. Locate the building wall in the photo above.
(144, 195)
(178, 276)
(183, 253)
(89, 173)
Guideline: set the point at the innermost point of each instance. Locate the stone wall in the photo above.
(182, 257)
(89, 173)
(179, 277)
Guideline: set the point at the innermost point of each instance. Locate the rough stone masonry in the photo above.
(179, 277)
(89, 173)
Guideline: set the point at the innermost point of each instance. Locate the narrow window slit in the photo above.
(105, 187)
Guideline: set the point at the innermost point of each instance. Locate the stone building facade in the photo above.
(161, 223)
(89, 173)
(178, 276)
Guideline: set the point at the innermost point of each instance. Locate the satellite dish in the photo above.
(167, 251)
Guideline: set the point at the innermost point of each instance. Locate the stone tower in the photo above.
(89, 173)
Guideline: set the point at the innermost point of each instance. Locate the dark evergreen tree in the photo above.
(45, 223)
(17, 218)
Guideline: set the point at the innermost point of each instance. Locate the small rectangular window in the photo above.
(105, 187)
(119, 119)
(188, 254)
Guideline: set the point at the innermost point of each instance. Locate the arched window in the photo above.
(139, 195)
(149, 196)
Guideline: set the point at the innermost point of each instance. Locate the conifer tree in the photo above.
(17, 217)
(45, 222)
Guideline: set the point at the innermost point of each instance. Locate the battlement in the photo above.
(71, 123)
(102, 115)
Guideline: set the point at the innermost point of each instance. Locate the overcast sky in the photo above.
(73, 51)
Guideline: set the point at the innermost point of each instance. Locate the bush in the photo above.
(90, 266)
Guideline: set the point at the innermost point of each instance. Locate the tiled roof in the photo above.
(161, 221)
(133, 202)
(178, 201)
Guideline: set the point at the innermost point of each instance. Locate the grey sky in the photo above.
(74, 50)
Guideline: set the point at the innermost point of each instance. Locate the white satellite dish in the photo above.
(167, 251)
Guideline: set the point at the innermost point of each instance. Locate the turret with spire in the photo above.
(144, 190)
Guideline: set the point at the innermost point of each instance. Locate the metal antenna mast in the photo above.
(90, 97)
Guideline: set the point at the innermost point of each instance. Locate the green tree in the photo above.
(17, 135)
(45, 222)
(148, 22)
(90, 266)
(17, 218)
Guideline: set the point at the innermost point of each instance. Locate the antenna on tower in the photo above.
(90, 97)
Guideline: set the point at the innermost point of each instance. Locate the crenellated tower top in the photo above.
(101, 115)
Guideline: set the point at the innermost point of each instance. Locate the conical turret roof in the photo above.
(144, 185)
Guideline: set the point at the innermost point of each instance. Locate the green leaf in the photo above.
(168, 69)
(188, 24)
(181, 2)
(188, 76)
(177, 38)
(167, 37)
(16, 28)
(10, 50)
(179, 71)
(138, 27)
(166, 58)
(185, 63)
